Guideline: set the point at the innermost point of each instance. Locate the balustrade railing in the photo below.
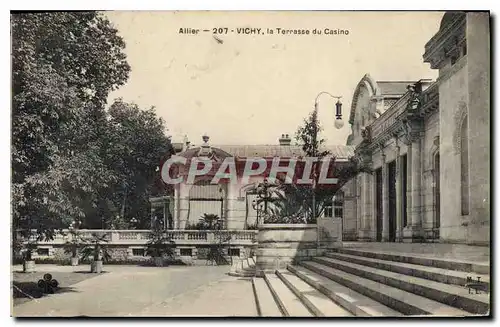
(142, 236)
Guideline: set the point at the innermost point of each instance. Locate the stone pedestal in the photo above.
(282, 244)
(413, 234)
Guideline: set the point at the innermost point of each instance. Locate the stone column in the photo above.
(416, 179)
(183, 208)
(413, 231)
(385, 201)
(366, 229)
(408, 183)
(399, 212)
(359, 217)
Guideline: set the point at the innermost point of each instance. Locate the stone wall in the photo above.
(281, 244)
(478, 74)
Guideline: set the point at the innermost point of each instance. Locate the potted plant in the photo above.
(159, 246)
(26, 244)
(72, 247)
(28, 261)
(211, 221)
(96, 251)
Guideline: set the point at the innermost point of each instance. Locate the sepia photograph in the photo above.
(250, 164)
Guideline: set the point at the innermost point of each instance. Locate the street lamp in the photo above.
(133, 222)
(258, 208)
(339, 123)
(75, 224)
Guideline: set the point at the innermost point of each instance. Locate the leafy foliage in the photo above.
(211, 221)
(72, 247)
(70, 157)
(293, 203)
(96, 248)
(159, 245)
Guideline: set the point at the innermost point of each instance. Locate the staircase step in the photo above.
(402, 301)
(266, 306)
(289, 304)
(354, 302)
(244, 264)
(452, 295)
(314, 300)
(450, 264)
(446, 276)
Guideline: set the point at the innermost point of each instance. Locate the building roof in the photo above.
(248, 151)
(388, 89)
(393, 87)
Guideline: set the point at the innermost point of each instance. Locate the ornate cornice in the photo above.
(445, 42)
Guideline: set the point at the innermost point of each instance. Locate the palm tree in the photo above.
(159, 245)
(293, 202)
(212, 221)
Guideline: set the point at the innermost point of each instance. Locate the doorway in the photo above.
(378, 199)
(391, 167)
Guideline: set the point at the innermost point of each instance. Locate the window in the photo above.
(329, 209)
(464, 166)
(233, 252)
(42, 251)
(186, 252)
(138, 252)
(338, 205)
(464, 49)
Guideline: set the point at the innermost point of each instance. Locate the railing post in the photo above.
(115, 236)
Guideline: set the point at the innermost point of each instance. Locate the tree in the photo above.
(312, 197)
(64, 64)
(135, 144)
(296, 203)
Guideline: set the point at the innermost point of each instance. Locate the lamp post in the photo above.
(338, 124)
(257, 208)
(133, 222)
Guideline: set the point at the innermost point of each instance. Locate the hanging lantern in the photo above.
(339, 123)
(338, 107)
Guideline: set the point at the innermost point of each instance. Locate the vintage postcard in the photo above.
(250, 164)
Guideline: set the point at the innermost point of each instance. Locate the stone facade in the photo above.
(428, 143)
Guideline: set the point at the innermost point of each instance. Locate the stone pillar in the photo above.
(183, 208)
(413, 230)
(359, 218)
(399, 203)
(385, 201)
(408, 184)
(366, 232)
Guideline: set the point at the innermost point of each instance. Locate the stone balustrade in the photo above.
(140, 237)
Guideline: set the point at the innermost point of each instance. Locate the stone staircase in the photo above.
(354, 282)
(243, 267)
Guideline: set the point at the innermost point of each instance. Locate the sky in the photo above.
(250, 89)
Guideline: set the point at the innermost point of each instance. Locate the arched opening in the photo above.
(206, 198)
(464, 166)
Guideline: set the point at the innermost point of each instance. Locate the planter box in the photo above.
(29, 266)
(74, 261)
(281, 244)
(158, 261)
(96, 267)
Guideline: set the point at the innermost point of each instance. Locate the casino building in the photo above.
(428, 143)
